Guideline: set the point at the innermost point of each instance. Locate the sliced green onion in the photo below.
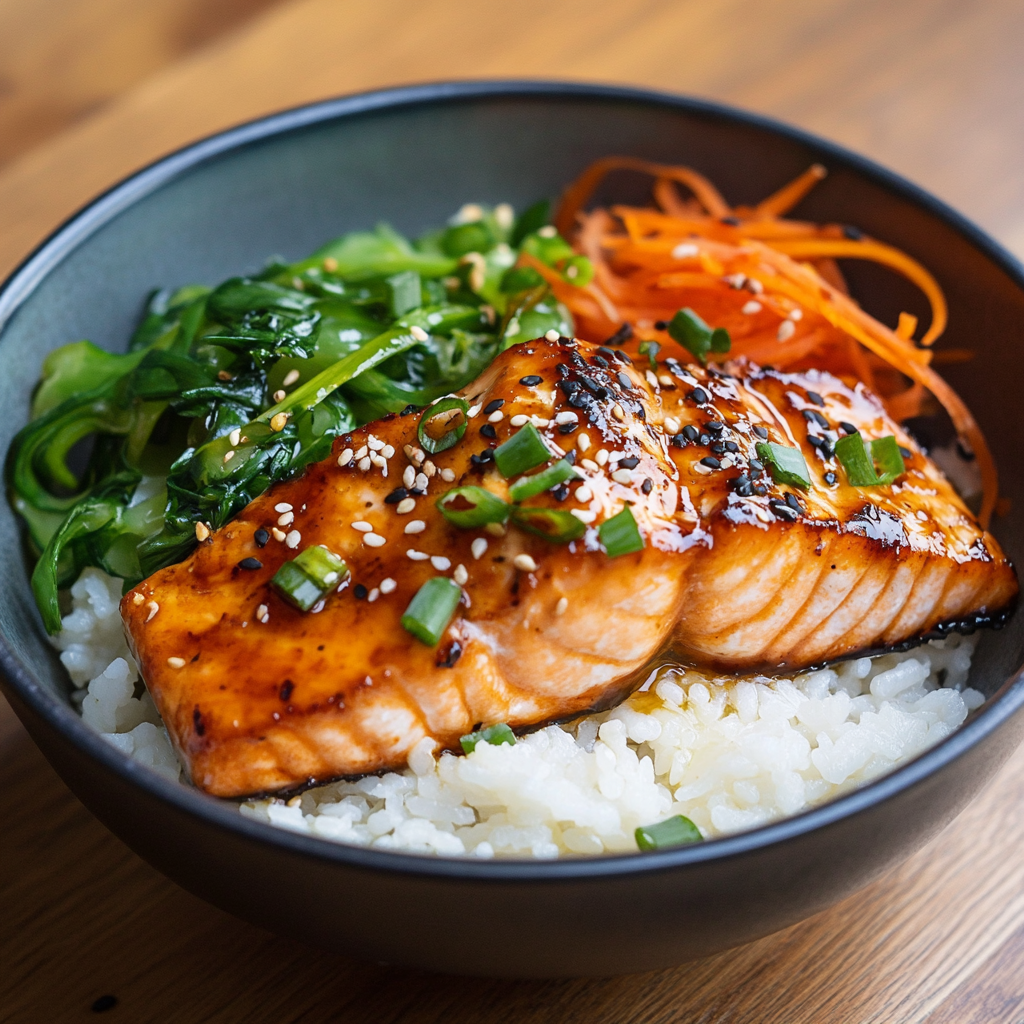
(675, 831)
(788, 465)
(520, 279)
(552, 524)
(522, 451)
(431, 610)
(651, 350)
(496, 735)
(467, 507)
(462, 238)
(859, 461)
(532, 219)
(696, 336)
(442, 425)
(309, 577)
(578, 271)
(620, 535)
(527, 486)
(405, 292)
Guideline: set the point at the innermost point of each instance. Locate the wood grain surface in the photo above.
(930, 87)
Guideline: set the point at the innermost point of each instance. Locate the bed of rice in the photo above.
(730, 754)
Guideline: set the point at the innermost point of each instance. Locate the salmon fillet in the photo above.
(737, 572)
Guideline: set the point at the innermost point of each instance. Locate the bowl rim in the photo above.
(220, 814)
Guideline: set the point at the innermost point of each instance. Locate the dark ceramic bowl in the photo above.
(412, 156)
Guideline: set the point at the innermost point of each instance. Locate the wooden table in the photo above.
(929, 87)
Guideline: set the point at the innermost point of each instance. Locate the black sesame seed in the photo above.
(793, 502)
(854, 234)
(286, 690)
(704, 439)
(710, 460)
(815, 416)
(698, 395)
(783, 511)
(397, 495)
(761, 432)
(629, 463)
(661, 325)
(638, 412)
(849, 428)
(621, 336)
(647, 486)
(813, 396)
(487, 430)
(577, 360)
(600, 361)
(741, 480)
(744, 490)
(567, 428)
(569, 387)
(760, 490)
(487, 455)
(561, 492)
(571, 457)
(756, 464)
(677, 440)
(691, 432)
(530, 380)
(624, 381)
(493, 406)
(562, 369)
(360, 591)
(906, 452)
(731, 446)
(717, 448)
(816, 442)
(714, 427)
(606, 351)
(731, 221)
(830, 478)
(623, 358)
(756, 474)
(250, 563)
(409, 409)
(581, 400)
(261, 537)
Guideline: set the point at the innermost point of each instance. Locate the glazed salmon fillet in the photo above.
(736, 572)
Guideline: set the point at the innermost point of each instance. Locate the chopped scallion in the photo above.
(620, 535)
(467, 507)
(552, 524)
(860, 461)
(309, 577)
(495, 735)
(675, 831)
(578, 270)
(405, 292)
(696, 336)
(651, 350)
(527, 486)
(524, 450)
(431, 609)
(788, 465)
(442, 425)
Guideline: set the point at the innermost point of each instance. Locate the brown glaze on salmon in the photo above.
(737, 572)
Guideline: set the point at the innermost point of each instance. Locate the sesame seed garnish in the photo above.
(418, 333)
(601, 456)
(539, 421)
(359, 592)
(584, 515)
(583, 442)
(362, 452)
(751, 307)
(684, 250)
(388, 451)
(786, 330)
(378, 460)
(525, 562)
(496, 417)
(493, 405)
(666, 381)
(519, 420)
(283, 506)
(755, 286)
(280, 395)
(277, 534)
(290, 378)
(235, 436)
(563, 603)
(202, 531)
(373, 540)
(566, 417)
(364, 464)
(374, 443)
(278, 422)
(362, 526)
(228, 456)
(262, 613)
(224, 375)
(448, 475)
(421, 481)
(429, 469)
(137, 599)
(176, 662)
(373, 595)
(440, 563)
(622, 476)
(474, 411)
(292, 539)
(461, 575)
(478, 547)
(417, 556)
(153, 609)
(672, 425)
(796, 314)
(531, 380)
(548, 231)
(409, 476)
(618, 413)
(250, 563)
(584, 493)
(415, 526)
(495, 529)
(286, 519)
(590, 464)
(551, 335)
(387, 585)
(414, 455)
(614, 457)
(345, 457)
(405, 506)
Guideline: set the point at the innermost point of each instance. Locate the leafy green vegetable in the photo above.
(696, 336)
(787, 465)
(224, 391)
(859, 460)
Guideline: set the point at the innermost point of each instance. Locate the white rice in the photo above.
(730, 754)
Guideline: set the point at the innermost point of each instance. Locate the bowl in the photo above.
(284, 185)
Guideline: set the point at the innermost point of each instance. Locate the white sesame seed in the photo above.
(496, 417)
(476, 280)
(280, 395)
(375, 444)
(448, 475)
(495, 529)
(290, 378)
(228, 456)
(283, 506)
(378, 460)
(345, 457)
(583, 442)
(474, 411)
(415, 526)
(786, 330)
(622, 476)
(373, 595)
(405, 506)
(429, 469)
(418, 333)
(293, 539)
(566, 417)
(672, 425)
(235, 436)
(330, 577)
(548, 231)
(362, 453)
(751, 307)
(261, 612)
(373, 540)
(387, 585)
(421, 481)
(460, 575)
(684, 250)
(409, 476)
(478, 547)
(735, 280)
(176, 662)
(525, 563)
(563, 603)
(519, 420)
(440, 563)
(618, 412)
(755, 286)
(552, 335)
(277, 534)
(584, 493)
(137, 599)
(202, 531)
(362, 526)
(651, 379)
(539, 421)
(614, 457)
(364, 464)
(286, 519)
(601, 456)
(589, 464)
(153, 609)
(583, 515)
(504, 216)
(699, 467)
(666, 381)
(796, 314)
(417, 556)
(388, 451)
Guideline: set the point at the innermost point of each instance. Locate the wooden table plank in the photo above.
(930, 88)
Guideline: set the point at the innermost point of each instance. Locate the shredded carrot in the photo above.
(752, 271)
